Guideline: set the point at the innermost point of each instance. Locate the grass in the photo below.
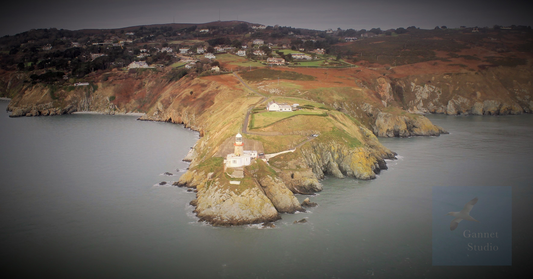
(212, 164)
(273, 144)
(237, 61)
(339, 135)
(269, 74)
(178, 64)
(265, 119)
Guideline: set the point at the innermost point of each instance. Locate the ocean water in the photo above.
(79, 197)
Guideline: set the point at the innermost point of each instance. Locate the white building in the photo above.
(210, 56)
(138, 64)
(200, 50)
(184, 50)
(273, 106)
(258, 42)
(240, 157)
(166, 49)
(241, 52)
(301, 56)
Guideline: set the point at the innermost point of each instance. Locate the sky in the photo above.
(23, 15)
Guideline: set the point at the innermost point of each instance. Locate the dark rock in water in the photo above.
(163, 183)
(308, 203)
(300, 222)
(179, 184)
(268, 225)
(168, 173)
(194, 202)
(190, 190)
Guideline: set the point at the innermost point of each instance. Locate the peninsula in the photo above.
(288, 105)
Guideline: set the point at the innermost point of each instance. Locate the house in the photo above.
(81, 84)
(204, 30)
(244, 46)
(184, 50)
(215, 69)
(329, 31)
(258, 42)
(241, 52)
(210, 56)
(138, 64)
(350, 39)
(475, 30)
(276, 61)
(301, 56)
(47, 47)
(75, 44)
(166, 49)
(320, 51)
(256, 27)
(190, 65)
(219, 49)
(259, 52)
(273, 106)
(368, 35)
(129, 33)
(200, 50)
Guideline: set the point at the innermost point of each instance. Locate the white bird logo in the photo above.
(463, 214)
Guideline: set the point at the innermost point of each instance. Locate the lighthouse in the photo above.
(240, 157)
(239, 146)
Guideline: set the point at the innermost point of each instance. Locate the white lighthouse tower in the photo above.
(239, 157)
(239, 146)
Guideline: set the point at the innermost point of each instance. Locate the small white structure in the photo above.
(166, 49)
(81, 84)
(241, 52)
(240, 157)
(200, 50)
(258, 42)
(273, 106)
(204, 30)
(138, 64)
(210, 56)
(259, 52)
(301, 56)
(276, 61)
(215, 69)
(184, 50)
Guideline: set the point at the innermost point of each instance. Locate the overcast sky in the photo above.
(23, 15)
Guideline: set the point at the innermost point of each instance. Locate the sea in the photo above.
(90, 196)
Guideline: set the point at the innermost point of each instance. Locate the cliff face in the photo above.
(495, 91)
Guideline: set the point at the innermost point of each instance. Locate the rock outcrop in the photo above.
(338, 159)
(389, 125)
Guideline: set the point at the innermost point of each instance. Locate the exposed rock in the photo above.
(268, 225)
(163, 183)
(168, 174)
(308, 203)
(301, 182)
(477, 108)
(389, 125)
(219, 205)
(281, 197)
(302, 221)
(360, 162)
(491, 107)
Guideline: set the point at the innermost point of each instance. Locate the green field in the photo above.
(269, 74)
(178, 64)
(261, 120)
(237, 60)
(289, 51)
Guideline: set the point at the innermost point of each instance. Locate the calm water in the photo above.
(78, 198)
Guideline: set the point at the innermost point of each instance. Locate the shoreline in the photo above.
(5, 99)
(116, 113)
